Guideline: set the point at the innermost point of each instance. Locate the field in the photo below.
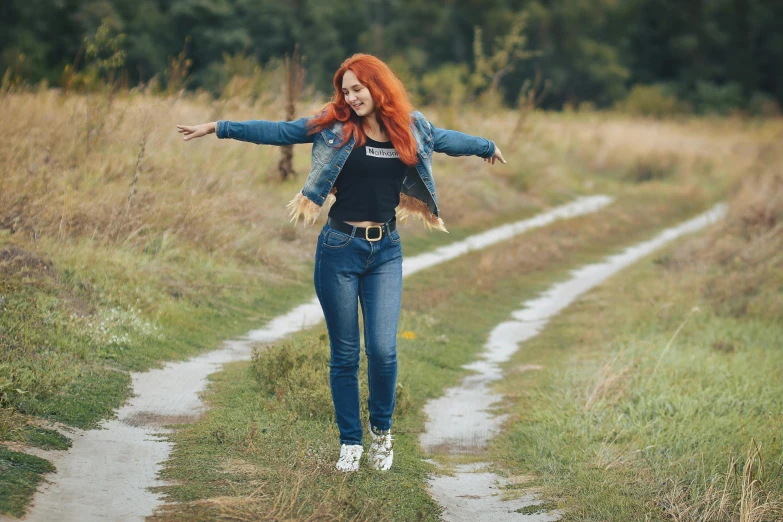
(122, 247)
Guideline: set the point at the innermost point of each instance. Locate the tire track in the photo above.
(107, 473)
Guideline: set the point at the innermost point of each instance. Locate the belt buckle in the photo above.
(380, 232)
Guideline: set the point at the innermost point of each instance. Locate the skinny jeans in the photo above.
(350, 268)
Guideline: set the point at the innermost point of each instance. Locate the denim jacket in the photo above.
(417, 197)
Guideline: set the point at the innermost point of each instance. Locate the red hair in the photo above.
(392, 106)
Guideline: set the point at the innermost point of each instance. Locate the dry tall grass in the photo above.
(740, 263)
(113, 170)
(289, 504)
(739, 494)
(118, 175)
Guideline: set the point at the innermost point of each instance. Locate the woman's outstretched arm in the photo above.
(455, 143)
(261, 132)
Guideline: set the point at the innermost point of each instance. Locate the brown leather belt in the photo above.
(376, 232)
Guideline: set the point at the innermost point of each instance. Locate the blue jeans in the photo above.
(348, 267)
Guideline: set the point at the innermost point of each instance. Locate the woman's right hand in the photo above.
(496, 156)
(196, 131)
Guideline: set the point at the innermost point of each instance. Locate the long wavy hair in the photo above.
(392, 106)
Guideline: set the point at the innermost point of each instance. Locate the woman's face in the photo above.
(357, 95)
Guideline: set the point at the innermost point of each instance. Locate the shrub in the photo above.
(296, 374)
(762, 104)
(242, 76)
(651, 167)
(650, 100)
(446, 85)
(723, 99)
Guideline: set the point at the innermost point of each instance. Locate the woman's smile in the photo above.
(357, 95)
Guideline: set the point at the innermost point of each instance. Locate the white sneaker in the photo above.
(349, 457)
(381, 452)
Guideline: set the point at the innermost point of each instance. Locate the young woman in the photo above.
(372, 155)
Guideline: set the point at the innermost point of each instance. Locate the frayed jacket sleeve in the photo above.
(265, 132)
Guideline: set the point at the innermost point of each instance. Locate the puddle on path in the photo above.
(460, 422)
(107, 472)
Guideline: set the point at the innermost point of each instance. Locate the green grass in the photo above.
(636, 419)
(271, 420)
(43, 438)
(72, 329)
(19, 475)
(75, 320)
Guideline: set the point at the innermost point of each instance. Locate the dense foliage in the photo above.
(711, 56)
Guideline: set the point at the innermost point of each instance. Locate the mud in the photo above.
(462, 421)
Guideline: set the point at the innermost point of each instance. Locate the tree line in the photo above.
(699, 55)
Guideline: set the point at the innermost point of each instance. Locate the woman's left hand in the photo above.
(496, 156)
(196, 131)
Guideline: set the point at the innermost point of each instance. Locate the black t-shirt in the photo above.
(369, 184)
